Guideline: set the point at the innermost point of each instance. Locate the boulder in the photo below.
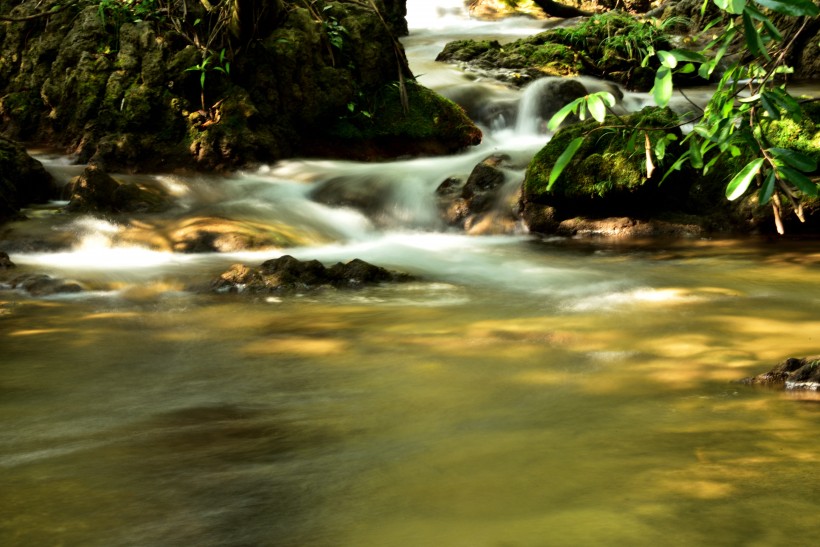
(44, 285)
(95, 191)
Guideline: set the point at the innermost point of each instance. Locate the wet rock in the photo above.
(286, 274)
(23, 180)
(791, 374)
(479, 204)
(95, 191)
(44, 285)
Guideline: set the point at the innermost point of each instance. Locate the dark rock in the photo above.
(95, 191)
(286, 274)
(23, 180)
(5, 262)
(791, 374)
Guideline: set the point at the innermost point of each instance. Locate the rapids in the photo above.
(524, 392)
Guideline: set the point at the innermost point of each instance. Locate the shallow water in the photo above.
(522, 392)
(434, 413)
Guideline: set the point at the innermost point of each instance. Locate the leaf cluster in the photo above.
(749, 96)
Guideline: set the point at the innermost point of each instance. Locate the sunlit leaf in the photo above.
(688, 68)
(740, 182)
(565, 111)
(563, 160)
(767, 189)
(596, 107)
(667, 59)
(796, 8)
(662, 90)
(795, 159)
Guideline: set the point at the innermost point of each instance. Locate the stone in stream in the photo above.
(5, 262)
(791, 374)
(288, 274)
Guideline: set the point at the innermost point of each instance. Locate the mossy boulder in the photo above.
(610, 46)
(136, 94)
(608, 177)
(23, 180)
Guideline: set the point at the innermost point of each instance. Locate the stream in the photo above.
(524, 391)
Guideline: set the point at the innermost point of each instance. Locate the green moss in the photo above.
(608, 174)
(802, 136)
(467, 50)
(430, 116)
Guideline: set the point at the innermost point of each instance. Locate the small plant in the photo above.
(210, 62)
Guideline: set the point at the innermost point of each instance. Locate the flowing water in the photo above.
(523, 392)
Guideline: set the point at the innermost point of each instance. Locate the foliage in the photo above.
(750, 96)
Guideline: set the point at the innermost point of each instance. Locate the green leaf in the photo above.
(732, 6)
(800, 180)
(688, 68)
(695, 154)
(660, 148)
(796, 8)
(740, 182)
(753, 40)
(688, 56)
(675, 166)
(787, 103)
(766, 102)
(559, 116)
(667, 59)
(563, 160)
(596, 107)
(662, 90)
(772, 31)
(767, 189)
(795, 159)
(202, 80)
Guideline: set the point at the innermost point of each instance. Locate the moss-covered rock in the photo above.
(608, 177)
(380, 127)
(133, 93)
(610, 46)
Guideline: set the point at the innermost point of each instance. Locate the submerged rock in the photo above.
(43, 285)
(791, 374)
(287, 274)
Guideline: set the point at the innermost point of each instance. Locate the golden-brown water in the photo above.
(425, 414)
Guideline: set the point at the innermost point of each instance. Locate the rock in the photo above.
(481, 204)
(44, 285)
(286, 274)
(95, 191)
(605, 179)
(23, 180)
(126, 92)
(791, 374)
